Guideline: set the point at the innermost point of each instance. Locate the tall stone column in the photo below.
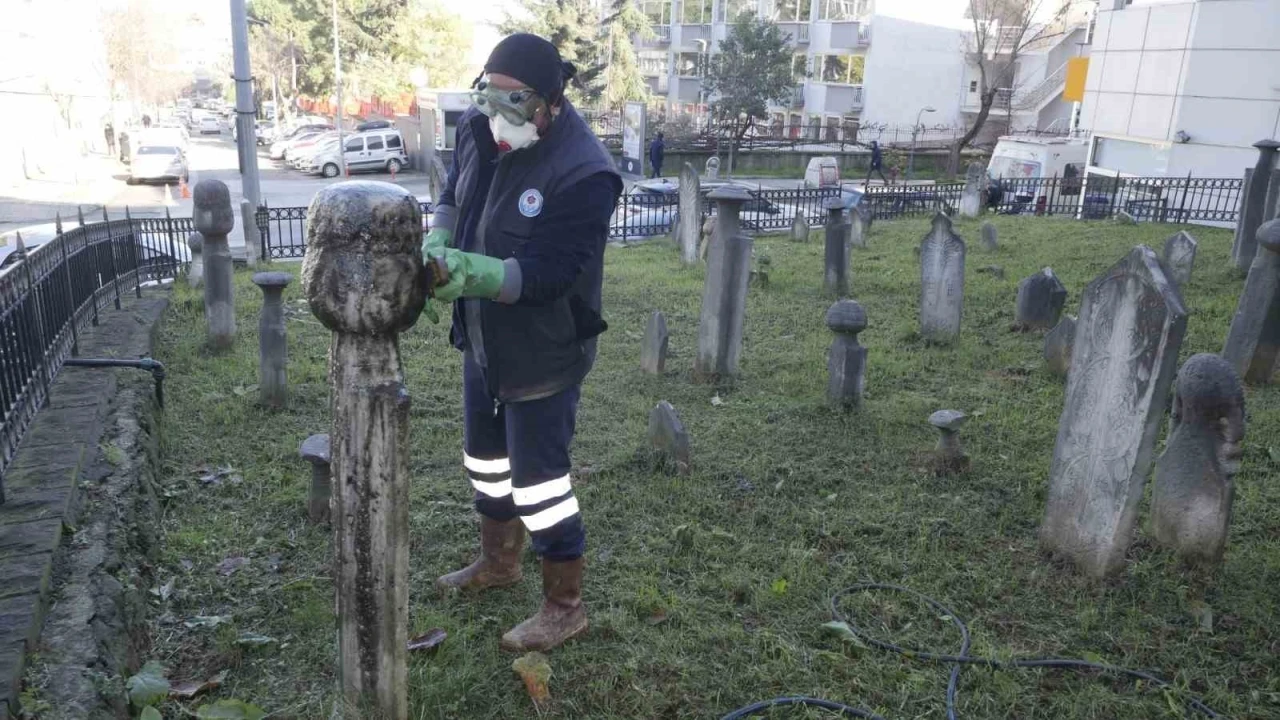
(835, 277)
(1253, 341)
(214, 218)
(363, 278)
(724, 294)
(1253, 206)
(273, 346)
(847, 361)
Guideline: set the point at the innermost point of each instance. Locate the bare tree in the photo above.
(1002, 31)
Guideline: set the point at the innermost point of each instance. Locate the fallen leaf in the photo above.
(214, 476)
(209, 621)
(254, 639)
(230, 710)
(832, 496)
(778, 486)
(716, 401)
(535, 671)
(779, 586)
(242, 390)
(842, 631)
(191, 688)
(150, 713)
(427, 640)
(232, 564)
(187, 565)
(659, 616)
(149, 685)
(164, 591)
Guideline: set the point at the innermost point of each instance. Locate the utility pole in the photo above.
(337, 82)
(245, 112)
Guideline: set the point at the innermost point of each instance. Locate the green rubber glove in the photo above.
(434, 242)
(471, 275)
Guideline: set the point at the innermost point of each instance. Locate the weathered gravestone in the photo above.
(1180, 257)
(990, 241)
(1040, 300)
(273, 345)
(213, 219)
(835, 277)
(195, 273)
(653, 353)
(971, 195)
(1191, 500)
(799, 227)
(1253, 342)
(668, 436)
(364, 280)
(941, 282)
(1253, 202)
(689, 214)
(1131, 326)
(1123, 217)
(712, 168)
(708, 234)
(859, 226)
(724, 292)
(949, 457)
(315, 450)
(847, 360)
(1057, 346)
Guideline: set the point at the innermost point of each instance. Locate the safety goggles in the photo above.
(517, 106)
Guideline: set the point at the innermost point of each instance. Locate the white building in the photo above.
(1182, 87)
(877, 63)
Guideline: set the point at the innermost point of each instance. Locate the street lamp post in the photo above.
(915, 129)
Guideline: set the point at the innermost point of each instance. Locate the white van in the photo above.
(1028, 157)
(822, 172)
(372, 151)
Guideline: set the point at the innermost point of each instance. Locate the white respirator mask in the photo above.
(510, 136)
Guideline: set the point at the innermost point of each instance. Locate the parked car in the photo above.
(158, 162)
(302, 159)
(280, 149)
(263, 131)
(373, 125)
(649, 208)
(210, 125)
(372, 151)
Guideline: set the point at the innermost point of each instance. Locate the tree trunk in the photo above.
(953, 162)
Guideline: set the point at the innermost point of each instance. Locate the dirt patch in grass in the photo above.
(708, 592)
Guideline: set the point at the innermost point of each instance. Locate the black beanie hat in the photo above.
(533, 61)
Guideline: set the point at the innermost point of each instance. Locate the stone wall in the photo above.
(79, 529)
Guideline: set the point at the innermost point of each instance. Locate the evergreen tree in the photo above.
(572, 26)
(752, 69)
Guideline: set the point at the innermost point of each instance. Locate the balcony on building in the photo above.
(840, 98)
(660, 37)
(849, 35)
(797, 96)
(797, 31)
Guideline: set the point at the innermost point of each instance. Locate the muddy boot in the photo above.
(499, 563)
(562, 615)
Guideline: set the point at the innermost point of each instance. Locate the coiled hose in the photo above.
(956, 661)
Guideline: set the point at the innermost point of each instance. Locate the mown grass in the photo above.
(689, 619)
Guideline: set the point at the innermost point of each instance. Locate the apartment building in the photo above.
(860, 62)
(1185, 86)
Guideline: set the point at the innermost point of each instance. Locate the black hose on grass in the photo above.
(956, 661)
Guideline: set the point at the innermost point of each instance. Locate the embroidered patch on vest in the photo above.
(530, 203)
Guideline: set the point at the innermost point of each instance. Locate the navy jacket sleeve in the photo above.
(445, 210)
(573, 232)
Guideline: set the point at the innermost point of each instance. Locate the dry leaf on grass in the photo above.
(232, 564)
(535, 671)
(192, 688)
(427, 640)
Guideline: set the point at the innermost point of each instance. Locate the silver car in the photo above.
(165, 163)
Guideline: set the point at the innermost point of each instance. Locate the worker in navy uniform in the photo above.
(519, 234)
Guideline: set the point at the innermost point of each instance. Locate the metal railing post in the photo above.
(33, 295)
(97, 274)
(71, 292)
(111, 246)
(173, 248)
(137, 254)
(1182, 202)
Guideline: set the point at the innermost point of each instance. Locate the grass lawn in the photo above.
(708, 592)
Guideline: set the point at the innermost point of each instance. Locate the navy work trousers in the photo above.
(517, 458)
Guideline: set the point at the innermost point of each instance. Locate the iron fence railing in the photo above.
(643, 214)
(1096, 197)
(51, 292)
(282, 231)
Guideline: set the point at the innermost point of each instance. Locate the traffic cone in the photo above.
(186, 191)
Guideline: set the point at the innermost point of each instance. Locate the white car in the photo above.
(280, 148)
(372, 151)
(209, 124)
(158, 162)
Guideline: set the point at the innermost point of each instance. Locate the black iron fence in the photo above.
(50, 292)
(282, 231)
(642, 214)
(1096, 197)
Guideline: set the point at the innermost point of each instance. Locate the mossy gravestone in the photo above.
(1131, 326)
(668, 436)
(941, 282)
(1040, 300)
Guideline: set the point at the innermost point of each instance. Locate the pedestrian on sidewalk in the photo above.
(110, 133)
(876, 165)
(657, 151)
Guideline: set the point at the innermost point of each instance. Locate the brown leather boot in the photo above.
(561, 616)
(499, 563)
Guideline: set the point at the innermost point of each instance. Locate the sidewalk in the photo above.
(90, 183)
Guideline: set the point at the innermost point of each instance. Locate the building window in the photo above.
(696, 12)
(652, 63)
(730, 10)
(791, 11)
(837, 10)
(843, 69)
(689, 64)
(973, 86)
(799, 67)
(658, 11)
